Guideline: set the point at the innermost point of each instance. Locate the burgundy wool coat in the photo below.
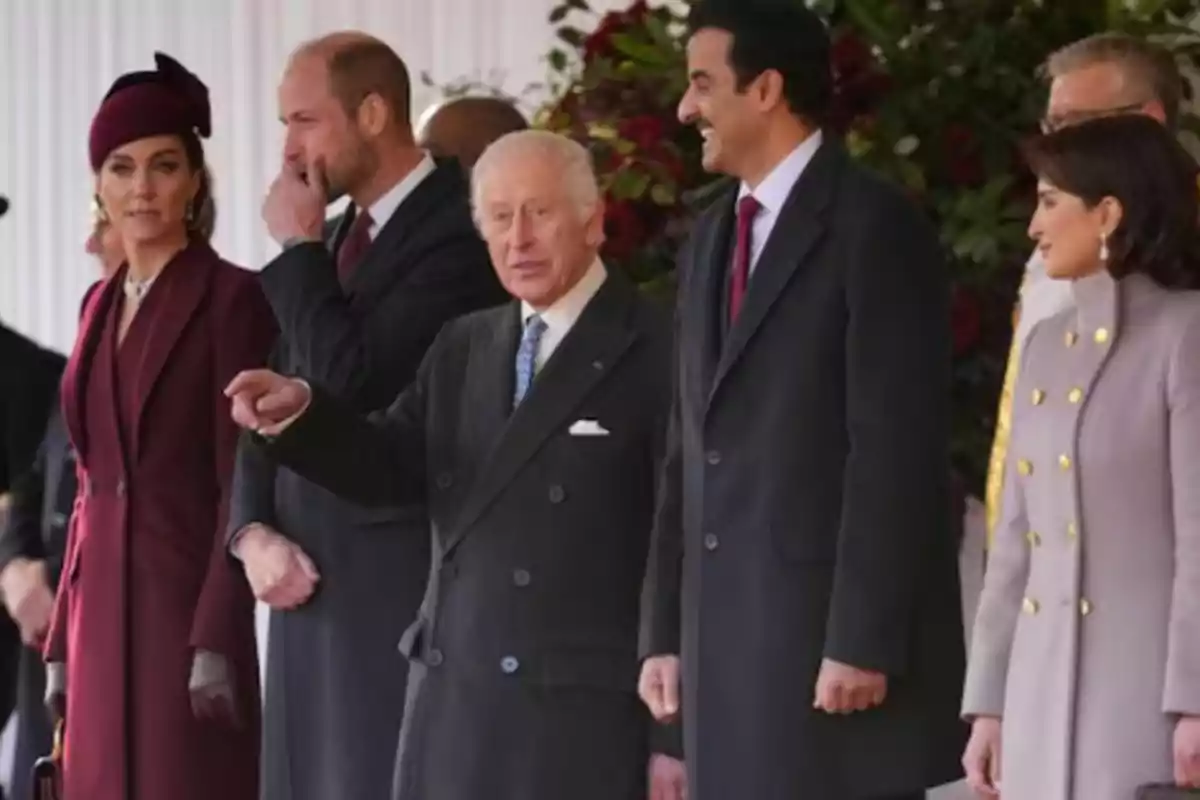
(147, 580)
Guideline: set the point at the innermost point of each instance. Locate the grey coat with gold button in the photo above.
(524, 660)
(1087, 640)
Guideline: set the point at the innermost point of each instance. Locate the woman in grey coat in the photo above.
(1084, 674)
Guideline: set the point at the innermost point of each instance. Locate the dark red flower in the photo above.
(624, 231)
(599, 44)
(966, 319)
(646, 131)
(964, 164)
(850, 55)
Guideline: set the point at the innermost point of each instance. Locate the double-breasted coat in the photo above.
(524, 660)
(1087, 637)
(806, 509)
(146, 581)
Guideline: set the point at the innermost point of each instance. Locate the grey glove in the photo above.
(212, 688)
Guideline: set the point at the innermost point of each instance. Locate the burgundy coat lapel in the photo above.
(186, 282)
(75, 377)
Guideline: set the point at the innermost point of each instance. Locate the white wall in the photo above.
(58, 57)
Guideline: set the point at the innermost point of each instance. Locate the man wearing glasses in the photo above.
(1102, 75)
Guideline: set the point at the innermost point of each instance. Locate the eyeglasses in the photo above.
(1057, 122)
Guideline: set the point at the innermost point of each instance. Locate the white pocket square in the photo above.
(587, 427)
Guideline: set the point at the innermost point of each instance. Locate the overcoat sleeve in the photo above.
(1181, 685)
(244, 331)
(1003, 590)
(896, 477)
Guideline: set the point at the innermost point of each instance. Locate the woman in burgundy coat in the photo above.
(153, 622)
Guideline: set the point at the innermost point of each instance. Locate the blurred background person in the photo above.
(1084, 673)
(153, 622)
(29, 375)
(31, 553)
(462, 128)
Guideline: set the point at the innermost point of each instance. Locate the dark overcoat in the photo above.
(805, 511)
(524, 656)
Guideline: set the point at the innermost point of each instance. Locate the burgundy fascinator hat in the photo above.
(167, 101)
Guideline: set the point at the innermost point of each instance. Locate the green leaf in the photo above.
(634, 48)
(558, 14)
(572, 36)
(578, 5)
(662, 194)
(558, 59)
(630, 184)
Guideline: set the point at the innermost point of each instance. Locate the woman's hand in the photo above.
(981, 759)
(1187, 752)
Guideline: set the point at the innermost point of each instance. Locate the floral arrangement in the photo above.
(934, 93)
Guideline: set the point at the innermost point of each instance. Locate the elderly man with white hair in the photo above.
(532, 433)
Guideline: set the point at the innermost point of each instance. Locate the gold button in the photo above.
(1072, 531)
(1038, 397)
(1085, 607)
(1071, 338)
(1075, 395)
(1033, 538)
(1064, 461)
(1101, 335)
(1029, 605)
(1024, 467)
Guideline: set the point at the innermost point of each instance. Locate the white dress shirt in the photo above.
(561, 316)
(772, 192)
(382, 209)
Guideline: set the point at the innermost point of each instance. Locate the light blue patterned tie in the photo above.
(535, 326)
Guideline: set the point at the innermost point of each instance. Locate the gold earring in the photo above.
(1103, 247)
(98, 212)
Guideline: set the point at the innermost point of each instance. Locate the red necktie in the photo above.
(747, 209)
(357, 240)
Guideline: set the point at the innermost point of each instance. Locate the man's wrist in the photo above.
(299, 239)
(246, 536)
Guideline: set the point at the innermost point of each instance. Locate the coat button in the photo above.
(557, 494)
(711, 542)
(1072, 531)
(434, 658)
(713, 457)
(509, 665)
(1037, 397)
(521, 577)
(1075, 395)
(1071, 338)
(1033, 538)
(1025, 467)
(1029, 605)
(1064, 461)
(59, 520)
(445, 480)
(121, 488)
(1085, 607)
(1101, 335)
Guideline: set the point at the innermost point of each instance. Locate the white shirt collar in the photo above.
(563, 313)
(774, 189)
(383, 208)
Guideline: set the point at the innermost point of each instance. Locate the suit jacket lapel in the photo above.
(75, 376)
(380, 261)
(799, 226)
(711, 260)
(490, 380)
(590, 351)
(186, 283)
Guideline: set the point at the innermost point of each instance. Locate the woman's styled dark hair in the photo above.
(1138, 161)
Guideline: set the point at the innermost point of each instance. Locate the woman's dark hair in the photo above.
(1136, 160)
(203, 218)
